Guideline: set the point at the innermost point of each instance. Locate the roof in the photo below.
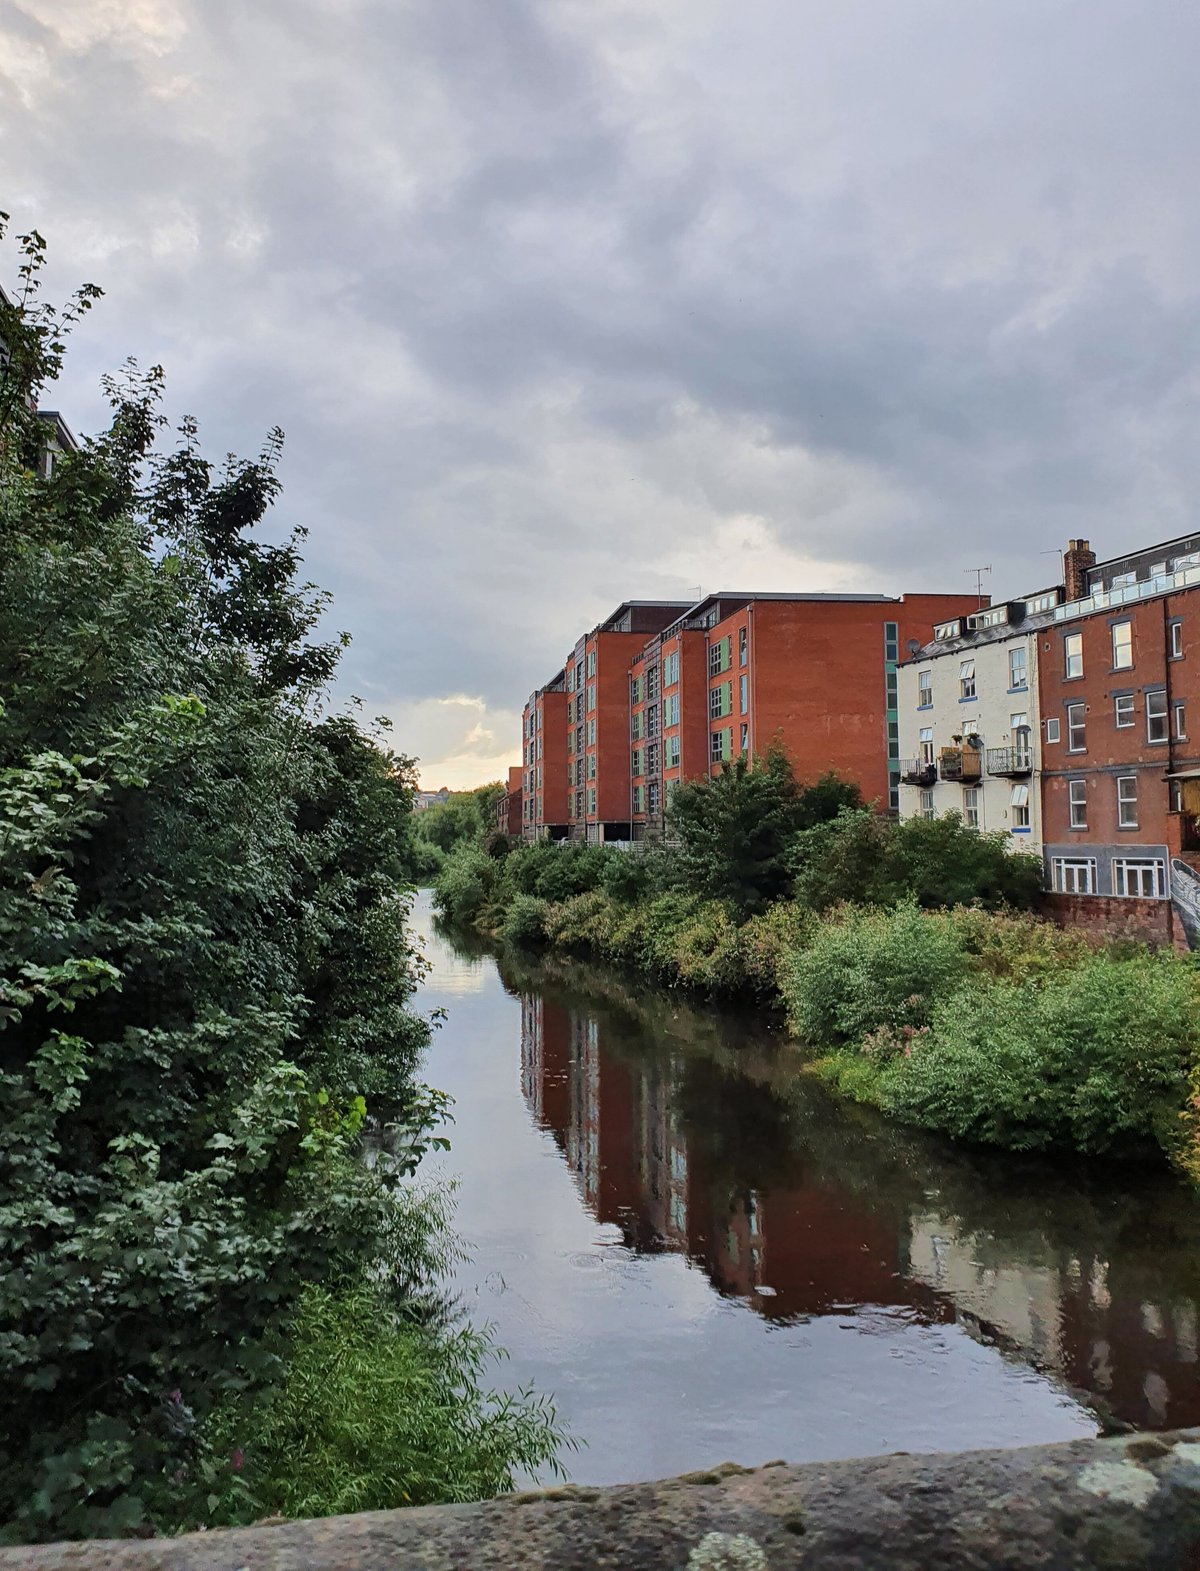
(977, 638)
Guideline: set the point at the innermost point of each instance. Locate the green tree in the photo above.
(205, 966)
(733, 831)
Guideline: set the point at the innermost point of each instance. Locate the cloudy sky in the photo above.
(562, 302)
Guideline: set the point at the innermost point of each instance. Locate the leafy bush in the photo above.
(525, 921)
(464, 885)
(1092, 1057)
(372, 1412)
(707, 951)
(870, 969)
(766, 939)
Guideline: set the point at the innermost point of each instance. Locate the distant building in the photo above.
(509, 806)
(424, 799)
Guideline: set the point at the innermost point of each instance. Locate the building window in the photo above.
(745, 744)
(1019, 802)
(591, 732)
(637, 799)
(1074, 877)
(1122, 646)
(672, 752)
(671, 669)
(891, 641)
(743, 694)
(579, 804)
(591, 799)
(971, 807)
(1017, 676)
(1053, 731)
(966, 679)
(1127, 817)
(1073, 654)
(671, 710)
(1123, 710)
(1156, 715)
(926, 804)
(591, 763)
(579, 771)
(719, 656)
(721, 745)
(1077, 797)
(720, 701)
(591, 662)
(1176, 641)
(635, 690)
(1179, 712)
(636, 761)
(743, 641)
(591, 695)
(924, 689)
(652, 684)
(1143, 879)
(926, 741)
(652, 758)
(1076, 728)
(637, 724)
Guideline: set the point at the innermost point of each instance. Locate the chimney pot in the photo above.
(1079, 557)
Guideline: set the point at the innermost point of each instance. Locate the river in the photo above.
(704, 1256)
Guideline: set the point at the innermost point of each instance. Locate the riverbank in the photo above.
(992, 1027)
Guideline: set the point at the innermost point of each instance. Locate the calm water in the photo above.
(703, 1256)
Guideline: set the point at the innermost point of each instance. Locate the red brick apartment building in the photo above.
(664, 692)
(1119, 692)
(510, 808)
(544, 759)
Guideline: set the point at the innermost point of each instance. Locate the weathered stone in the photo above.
(1128, 1504)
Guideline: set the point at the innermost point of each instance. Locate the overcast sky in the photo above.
(563, 302)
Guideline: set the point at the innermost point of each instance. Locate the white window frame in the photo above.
(1141, 871)
(1073, 656)
(1016, 657)
(1122, 649)
(1124, 714)
(926, 809)
(1053, 730)
(924, 689)
(1179, 719)
(971, 807)
(1156, 715)
(926, 744)
(1077, 726)
(966, 679)
(1077, 803)
(671, 757)
(1127, 802)
(1176, 637)
(1018, 800)
(1074, 875)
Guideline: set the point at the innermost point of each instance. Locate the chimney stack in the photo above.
(1078, 558)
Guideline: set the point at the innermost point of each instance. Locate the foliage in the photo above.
(937, 862)
(464, 818)
(525, 921)
(1093, 1057)
(372, 1411)
(733, 830)
(869, 969)
(207, 969)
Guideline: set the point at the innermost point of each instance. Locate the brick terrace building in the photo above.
(544, 756)
(1119, 684)
(663, 692)
(510, 807)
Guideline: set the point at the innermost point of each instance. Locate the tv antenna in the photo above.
(978, 572)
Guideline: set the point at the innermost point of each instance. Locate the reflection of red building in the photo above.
(809, 1247)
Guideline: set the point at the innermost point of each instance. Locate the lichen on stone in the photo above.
(727, 1552)
(1123, 1482)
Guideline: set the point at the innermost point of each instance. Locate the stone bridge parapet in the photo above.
(1126, 1504)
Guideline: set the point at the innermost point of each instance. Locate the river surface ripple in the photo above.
(703, 1256)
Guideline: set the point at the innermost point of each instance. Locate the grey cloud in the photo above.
(548, 294)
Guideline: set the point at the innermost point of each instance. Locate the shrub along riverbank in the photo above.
(898, 953)
(211, 1307)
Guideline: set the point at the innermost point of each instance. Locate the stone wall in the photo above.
(1109, 917)
(1129, 1504)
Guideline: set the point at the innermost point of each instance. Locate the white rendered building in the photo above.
(970, 736)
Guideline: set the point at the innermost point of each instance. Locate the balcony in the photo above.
(961, 763)
(1013, 762)
(918, 772)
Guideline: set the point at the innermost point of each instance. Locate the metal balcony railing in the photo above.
(1010, 761)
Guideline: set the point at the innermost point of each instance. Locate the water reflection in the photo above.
(693, 1133)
